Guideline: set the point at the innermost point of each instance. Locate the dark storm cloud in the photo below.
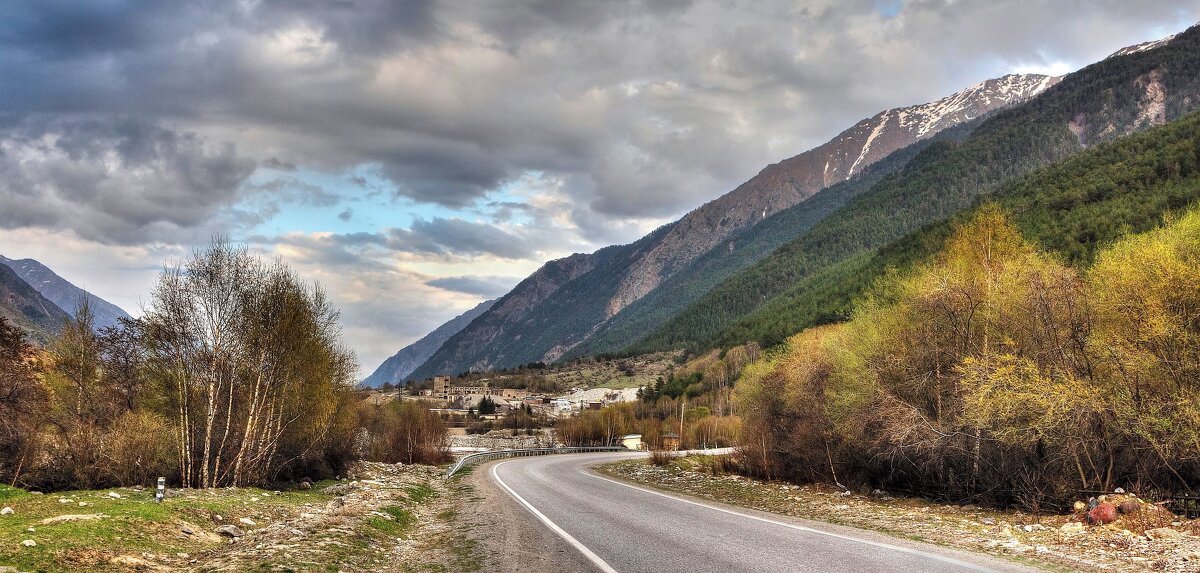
(485, 286)
(654, 107)
(118, 181)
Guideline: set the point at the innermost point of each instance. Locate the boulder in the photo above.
(1103, 513)
(7, 511)
(1081, 506)
(1129, 507)
(1162, 533)
(230, 531)
(247, 521)
(29, 543)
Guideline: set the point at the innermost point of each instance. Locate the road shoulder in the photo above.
(508, 536)
(1006, 540)
(839, 530)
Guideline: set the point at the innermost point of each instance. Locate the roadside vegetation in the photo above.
(235, 376)
(997, 374)
(387, 517)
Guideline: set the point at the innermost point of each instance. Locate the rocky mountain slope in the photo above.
(743, 249)
(793, 180)
(397, 368)
(546, 318)
(1103, 102)
(62, 293)
(25, 307)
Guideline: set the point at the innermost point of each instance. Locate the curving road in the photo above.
(588, 520)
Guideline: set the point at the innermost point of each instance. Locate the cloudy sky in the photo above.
(418, 156)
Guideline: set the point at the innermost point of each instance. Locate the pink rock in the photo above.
(1102, 514)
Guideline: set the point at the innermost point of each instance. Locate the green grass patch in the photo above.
(419, 493)
(8, 492)
(395, 521)
(130, 525)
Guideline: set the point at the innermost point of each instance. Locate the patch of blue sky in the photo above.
(309, 201)
(889, 8)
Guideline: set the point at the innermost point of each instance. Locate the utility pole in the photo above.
(682, 410)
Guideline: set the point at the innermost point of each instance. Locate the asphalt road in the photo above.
(614, 526)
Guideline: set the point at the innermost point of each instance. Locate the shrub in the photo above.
(661, 457)
(139, 448)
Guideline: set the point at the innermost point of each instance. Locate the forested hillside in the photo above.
(994, 372)
(1070, 209)
(743, 250)
(543, 318)
(1102, 102)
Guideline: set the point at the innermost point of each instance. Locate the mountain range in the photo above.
(792, 287)
(797, 243)
(396, 369)
(24, 306)
(63, 293)
(39, 301)
(563, 304)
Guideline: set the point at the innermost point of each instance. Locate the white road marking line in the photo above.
(595, 559)
(917, 552)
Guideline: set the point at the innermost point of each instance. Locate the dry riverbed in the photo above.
(381, 518)
(1150, 541)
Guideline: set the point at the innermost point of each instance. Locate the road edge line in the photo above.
(595, 559)
(908, 550)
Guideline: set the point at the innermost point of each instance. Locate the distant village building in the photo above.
(560, 405)
(512, 393)
(632, 441)
(444, 390)
(670, 441)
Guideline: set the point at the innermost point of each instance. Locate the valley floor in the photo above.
(1056, 542)
(382, 518)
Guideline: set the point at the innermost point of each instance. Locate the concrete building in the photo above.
(444, 390)
(561, 406)
(512, 394)
(632, 441)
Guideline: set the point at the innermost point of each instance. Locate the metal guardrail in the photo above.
(499, 454)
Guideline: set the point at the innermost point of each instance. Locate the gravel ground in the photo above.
(1149, 542)
(386, 518)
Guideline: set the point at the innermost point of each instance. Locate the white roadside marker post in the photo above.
(161, 491)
